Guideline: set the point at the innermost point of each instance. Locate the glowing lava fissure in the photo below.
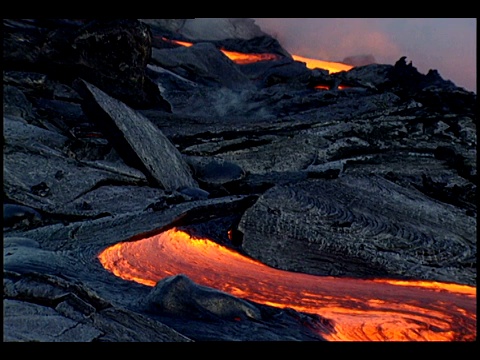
(362, 310)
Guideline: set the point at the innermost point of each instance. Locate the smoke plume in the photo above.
(447, 45)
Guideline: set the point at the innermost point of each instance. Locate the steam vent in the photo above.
(185, 180)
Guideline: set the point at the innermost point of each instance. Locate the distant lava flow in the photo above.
(362, 310)
(332, 67)
(248, 58)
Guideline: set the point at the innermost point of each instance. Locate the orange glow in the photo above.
(362, 310)
(236, 57)
(244, 58)
(248, 58)
(327, 87)
(182, 43)
(332, 67)
(438, 286)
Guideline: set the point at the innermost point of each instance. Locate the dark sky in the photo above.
(448, 45)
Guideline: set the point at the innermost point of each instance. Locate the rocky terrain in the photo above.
(112, 132)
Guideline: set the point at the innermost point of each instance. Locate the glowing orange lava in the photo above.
(248, 58)
(362, 310)
(332, 67)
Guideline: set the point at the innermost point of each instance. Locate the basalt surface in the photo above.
(102, 144)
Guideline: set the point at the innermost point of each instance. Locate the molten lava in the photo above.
(237, 57)
(248, 58)
(332, 67)
(362, 310)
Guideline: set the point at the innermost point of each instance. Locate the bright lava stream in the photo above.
(362, 310)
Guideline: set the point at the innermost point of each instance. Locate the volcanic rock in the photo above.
(39, 171)
(201, 63)
(208, 29)
(62, 311)
(111, 54)
(394, 233)
(359, 60)
(180, 296)
(215, 172)
(137, 140)
(18, 215)
(113, 133)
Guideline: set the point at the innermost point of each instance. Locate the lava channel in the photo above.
(361, 310)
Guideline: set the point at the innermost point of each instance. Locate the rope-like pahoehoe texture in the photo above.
(360, 226)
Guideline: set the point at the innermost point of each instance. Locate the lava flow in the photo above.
(362, 310)
(331, 66)
(248, 58)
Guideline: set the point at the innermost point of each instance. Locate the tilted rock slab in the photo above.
(137, 140)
